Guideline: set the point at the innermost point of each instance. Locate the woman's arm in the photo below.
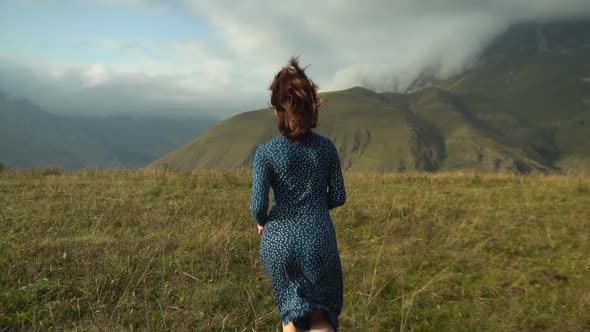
(336, 190)
(260, 186)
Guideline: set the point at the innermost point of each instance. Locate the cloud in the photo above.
(380, 44)
(95, 75)
(383, 44)
(105, 89)
(154, 5)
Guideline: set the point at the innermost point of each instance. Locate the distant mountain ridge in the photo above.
(31, 137)
(524, 108)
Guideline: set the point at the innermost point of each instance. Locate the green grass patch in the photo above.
(178, 250)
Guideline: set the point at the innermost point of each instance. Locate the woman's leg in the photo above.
(291, 328)
(320, 322)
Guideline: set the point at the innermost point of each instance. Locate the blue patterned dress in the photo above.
(298, 247)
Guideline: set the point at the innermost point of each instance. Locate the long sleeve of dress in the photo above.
(336, 191)
(261, 174)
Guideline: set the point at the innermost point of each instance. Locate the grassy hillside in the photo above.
(179, 251)
(427, 130)
(367, 130)
(471, 143)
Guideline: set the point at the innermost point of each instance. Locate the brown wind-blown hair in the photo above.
(294, 96)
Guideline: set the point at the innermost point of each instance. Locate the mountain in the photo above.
(536, 79)
(523, 108)
(426, 130)
(31, 137)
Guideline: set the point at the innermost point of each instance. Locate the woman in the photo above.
(298, 247)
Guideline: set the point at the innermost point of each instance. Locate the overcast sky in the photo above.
(219, 56)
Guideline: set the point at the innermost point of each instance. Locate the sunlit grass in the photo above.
(170, 250)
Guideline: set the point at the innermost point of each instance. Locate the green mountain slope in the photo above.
(533, 86)
(378, 137)
(425, 130)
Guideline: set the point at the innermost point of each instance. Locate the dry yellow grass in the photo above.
(170, 250)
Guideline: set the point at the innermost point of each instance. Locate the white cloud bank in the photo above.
(381, 44)
(384, 44)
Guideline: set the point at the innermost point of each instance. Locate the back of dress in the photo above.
(305, 177)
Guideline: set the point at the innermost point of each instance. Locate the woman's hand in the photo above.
(260, 228)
